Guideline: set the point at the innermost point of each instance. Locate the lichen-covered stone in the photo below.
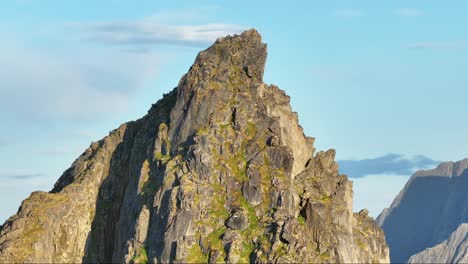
(219, 170)
(238, 220)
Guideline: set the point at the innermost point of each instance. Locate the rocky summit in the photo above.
(219, 170)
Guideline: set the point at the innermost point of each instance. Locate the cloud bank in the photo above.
(395, 164)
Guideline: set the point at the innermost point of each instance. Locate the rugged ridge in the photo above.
(219, 170)
(452, 250)
(427, 211)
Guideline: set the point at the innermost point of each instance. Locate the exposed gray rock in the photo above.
(238, 220)
(452, 250)
(161, 189)
(252, 190)
(427, 211)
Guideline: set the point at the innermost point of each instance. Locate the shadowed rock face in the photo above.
(452, 250)
(429, 208)
(218, 170)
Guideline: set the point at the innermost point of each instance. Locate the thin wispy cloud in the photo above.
(409, 12)
(23, 176)
(348, 12)
(390, 164)
(137, 50)
(186, 27)
(148, 32)
(18, 175)
(438, 45)
(95, 81)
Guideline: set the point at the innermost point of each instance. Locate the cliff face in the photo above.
(427, 211)
(218, 170)
(452, 250)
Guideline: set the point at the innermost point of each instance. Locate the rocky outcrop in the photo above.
(452, 250)
(219, 170)
(427, 211)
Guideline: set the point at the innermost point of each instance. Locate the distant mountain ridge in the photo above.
(427, 210)
(452, 250)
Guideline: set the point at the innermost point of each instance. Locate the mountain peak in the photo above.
(244, 52)
(219, 170)
(446, 169)
(251, 35)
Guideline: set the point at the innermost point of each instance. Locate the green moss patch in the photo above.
(196, 255)
(141, 256)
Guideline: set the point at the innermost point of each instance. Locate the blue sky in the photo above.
(367, 78)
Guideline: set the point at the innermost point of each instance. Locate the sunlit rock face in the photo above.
(427, 211)
(219, 170)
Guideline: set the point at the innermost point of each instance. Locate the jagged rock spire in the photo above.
(219, 170)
